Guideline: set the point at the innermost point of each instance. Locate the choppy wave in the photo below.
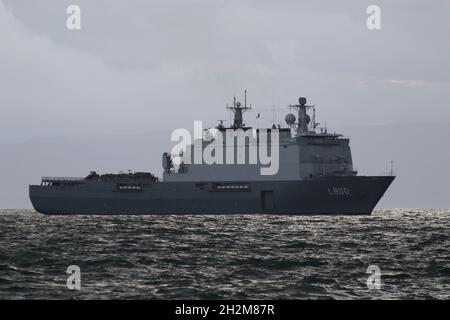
(226, 257)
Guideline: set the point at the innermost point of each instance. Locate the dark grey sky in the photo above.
(137, 65)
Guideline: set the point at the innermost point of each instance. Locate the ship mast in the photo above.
(238, 110)
(303, 117)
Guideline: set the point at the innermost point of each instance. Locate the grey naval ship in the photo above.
(315, 176)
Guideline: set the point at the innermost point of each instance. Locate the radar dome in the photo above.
(302, 100)
(308, 119)
(238, 104)
(290, 119)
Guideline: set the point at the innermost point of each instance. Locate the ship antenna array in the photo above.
(314, 124)
(245, 98)
(303, 118)
(238, 110)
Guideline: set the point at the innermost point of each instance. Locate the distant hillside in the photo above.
(420, 153)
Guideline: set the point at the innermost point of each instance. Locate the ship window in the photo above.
(129, 187)
(232, 187)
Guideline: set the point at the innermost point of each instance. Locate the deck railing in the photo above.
(64, 179)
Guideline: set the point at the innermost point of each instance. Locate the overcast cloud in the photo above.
(136, 66)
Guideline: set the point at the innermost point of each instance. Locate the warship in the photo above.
(313, 175)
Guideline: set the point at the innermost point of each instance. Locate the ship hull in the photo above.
(356, 195)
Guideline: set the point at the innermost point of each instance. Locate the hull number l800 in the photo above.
(338, 191)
